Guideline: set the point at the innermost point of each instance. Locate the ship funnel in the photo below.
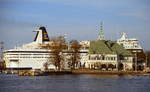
(42, 35)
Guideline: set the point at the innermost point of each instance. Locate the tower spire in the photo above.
(101, 35)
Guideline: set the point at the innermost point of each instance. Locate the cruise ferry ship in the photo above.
(31, 55)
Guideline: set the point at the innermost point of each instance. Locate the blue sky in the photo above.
(79, 19)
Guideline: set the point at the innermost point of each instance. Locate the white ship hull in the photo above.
(27, 59)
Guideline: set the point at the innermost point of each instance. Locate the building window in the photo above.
(103, 57)
(111, 58)
(114, 58)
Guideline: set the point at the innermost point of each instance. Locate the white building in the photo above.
(106, 54)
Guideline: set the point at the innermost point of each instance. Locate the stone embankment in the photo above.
(110, 72)
(81, 71)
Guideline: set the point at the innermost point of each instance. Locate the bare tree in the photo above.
(75, 54)
(60, 39)
(57, 54)
(57, 57)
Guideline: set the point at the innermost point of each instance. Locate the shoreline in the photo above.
(79, 72)
(74, 72)
(110, 72)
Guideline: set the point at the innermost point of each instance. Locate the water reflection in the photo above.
(102, 76)
(75, 83)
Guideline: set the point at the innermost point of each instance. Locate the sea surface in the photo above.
(74, 83)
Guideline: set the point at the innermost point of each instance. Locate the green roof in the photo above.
(107, 47)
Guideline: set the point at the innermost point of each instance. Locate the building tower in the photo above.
(101, 35)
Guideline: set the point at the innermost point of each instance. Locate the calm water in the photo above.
(75, 83)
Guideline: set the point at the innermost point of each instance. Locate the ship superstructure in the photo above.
(129, 43)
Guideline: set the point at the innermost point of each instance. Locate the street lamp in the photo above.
(145, 61)
(135, 61)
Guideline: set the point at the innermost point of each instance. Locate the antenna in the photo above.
(101, 35)
(1, 49)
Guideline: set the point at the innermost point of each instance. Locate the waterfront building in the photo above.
(85, 45)
(106, 54)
